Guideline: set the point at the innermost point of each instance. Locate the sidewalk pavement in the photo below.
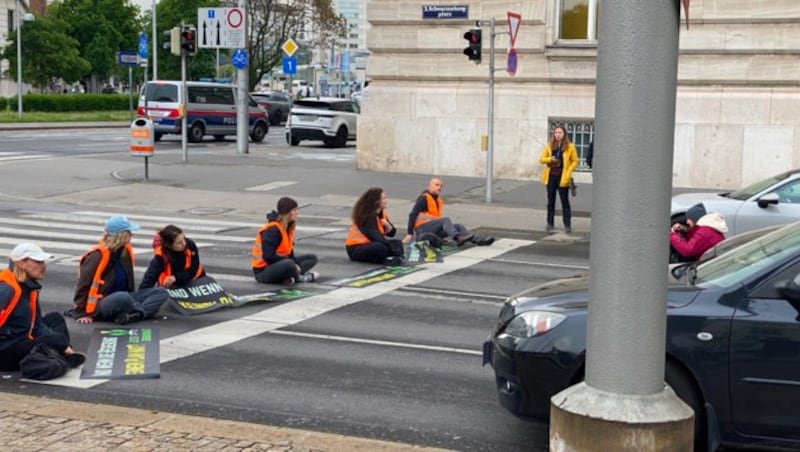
(33, 424)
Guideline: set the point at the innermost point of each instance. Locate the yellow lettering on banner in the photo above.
(374, 279)
(134, 362)
(226, 300)
(195, 306)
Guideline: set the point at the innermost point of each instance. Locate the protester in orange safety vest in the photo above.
(22, 325)
(176, 260)
(105, 289)
(366, 240)
(426, 218)
(273, 259)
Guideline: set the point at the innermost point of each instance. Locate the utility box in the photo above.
(142, 139)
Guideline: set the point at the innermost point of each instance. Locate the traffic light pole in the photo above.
(185, 118)
(490, 115)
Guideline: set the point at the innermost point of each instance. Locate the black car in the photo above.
(276, 103)
(733, 344)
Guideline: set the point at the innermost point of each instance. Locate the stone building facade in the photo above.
(738, 102)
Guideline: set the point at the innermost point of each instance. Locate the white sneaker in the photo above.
(308, 277)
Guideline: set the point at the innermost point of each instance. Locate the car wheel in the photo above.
(294, 140)
(684, 386)
(196, 132)
(219, 137)
(157, 136)
(259, 132)
(341, 137)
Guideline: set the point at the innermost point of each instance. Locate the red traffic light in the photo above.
(473, 52)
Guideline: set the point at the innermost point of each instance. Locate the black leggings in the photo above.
(563, 193)
(59, 340)
(373, 252)
(284, 269)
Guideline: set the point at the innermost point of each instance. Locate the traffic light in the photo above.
(172, 40)
(189, 40)
(473, 52)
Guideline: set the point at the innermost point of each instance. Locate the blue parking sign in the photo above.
(289, 65)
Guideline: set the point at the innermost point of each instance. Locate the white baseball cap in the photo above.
(29, 251)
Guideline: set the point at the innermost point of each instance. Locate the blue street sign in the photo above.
(143, 45)
(345, 62)
(445, 11)
(511, 65)
(127, 59)
(239, 59)
(289, 65)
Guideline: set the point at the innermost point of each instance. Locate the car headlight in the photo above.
(533, 323)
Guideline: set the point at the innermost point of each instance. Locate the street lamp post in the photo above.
(155, 44)
(28, 17)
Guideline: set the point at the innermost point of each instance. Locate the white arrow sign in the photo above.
(514, 19)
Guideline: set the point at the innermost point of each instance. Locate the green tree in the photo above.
(310, 22)
(174, 13)
(48, 54)
(101, 28)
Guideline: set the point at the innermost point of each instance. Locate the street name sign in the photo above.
(221, 28)
(445, 11)
(127, 58)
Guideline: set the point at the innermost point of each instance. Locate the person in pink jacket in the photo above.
(703, 232)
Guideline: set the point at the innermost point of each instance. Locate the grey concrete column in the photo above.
(624, 399)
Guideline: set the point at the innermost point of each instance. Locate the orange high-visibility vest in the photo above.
(7, 276)
(284, 249)
(97, 281)
(356, 237)
(433, 211)
(167, 272)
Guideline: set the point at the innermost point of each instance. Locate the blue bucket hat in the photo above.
(117, 224)
(696, 212)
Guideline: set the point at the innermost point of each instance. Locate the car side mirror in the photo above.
(769, 198)
(790, 288)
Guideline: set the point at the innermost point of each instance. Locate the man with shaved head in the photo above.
(426, 218)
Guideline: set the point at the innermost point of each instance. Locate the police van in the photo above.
(210, 110)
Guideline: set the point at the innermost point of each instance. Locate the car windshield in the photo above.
(313, 104)
(155, 92)
(758, 187)
(733, 267)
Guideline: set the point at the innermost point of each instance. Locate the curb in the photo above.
(63, 125)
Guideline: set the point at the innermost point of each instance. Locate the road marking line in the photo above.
(287, 314)
(272, 185)
(435, 348)
(228, 224)
(542, 264)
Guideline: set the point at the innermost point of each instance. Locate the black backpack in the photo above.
(43, 363)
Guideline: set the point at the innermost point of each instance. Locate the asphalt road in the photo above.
(399, 362)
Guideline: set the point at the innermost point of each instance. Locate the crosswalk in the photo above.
(7, 156)
(67, 235)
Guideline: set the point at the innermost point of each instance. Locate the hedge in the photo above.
(70, 102)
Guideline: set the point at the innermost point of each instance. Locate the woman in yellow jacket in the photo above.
(560, 159)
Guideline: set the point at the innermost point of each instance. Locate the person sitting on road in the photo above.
(273, 258)
(367, 238)
(22, 325)
(106, 286)
(426, 218)
(176, 260)
(704, 231)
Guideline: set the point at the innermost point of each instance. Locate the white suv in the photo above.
(330, 119)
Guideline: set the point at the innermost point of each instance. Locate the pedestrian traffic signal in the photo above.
(189, 40)
(473, 52)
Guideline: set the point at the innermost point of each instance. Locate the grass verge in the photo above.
(9, 116)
